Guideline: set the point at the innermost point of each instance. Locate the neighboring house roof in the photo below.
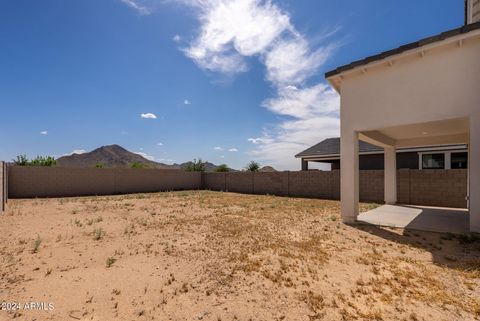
(331, 147)
(401, 49)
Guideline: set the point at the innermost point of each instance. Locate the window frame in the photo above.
(447, 158)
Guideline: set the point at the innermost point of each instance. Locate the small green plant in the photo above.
(36, 244)
(43, 161)
(195, 166)
(469, 238)
(137, 165)
(77, 222)
(253, 166)
(99, 165)
(222, 168)
(22, 160)
(98, 234)
(110, 261)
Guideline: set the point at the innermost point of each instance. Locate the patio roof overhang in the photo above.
(420, 94)
(388, 58)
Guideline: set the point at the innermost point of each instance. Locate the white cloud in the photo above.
(159, 144)
(145, 155)
(233, 150)
(149, 116)
(304, 103)
(187, 102)
(76, 151)
(222, 156)
(218, 148)
(233, 30)
(135, 5)
(293, 136)
(291, 61)
(44, 132)
(260, 140)
(177, 38)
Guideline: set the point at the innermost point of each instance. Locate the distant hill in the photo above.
(108, 156)
(117, 156)
(267, 169)
(209, 167)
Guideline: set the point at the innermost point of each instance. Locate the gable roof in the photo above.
(401, 49)
(331, 146)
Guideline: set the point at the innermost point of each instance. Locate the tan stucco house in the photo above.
(421, 94)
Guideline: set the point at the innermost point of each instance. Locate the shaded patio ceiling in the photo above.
(450, 131)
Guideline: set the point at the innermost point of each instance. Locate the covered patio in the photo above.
(423, 218)
(424, 93)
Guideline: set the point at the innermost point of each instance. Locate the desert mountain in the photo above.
(108, 156)
(117, 156)
(267, 169)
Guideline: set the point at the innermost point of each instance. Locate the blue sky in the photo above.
(228, 81)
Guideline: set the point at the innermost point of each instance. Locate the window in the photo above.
(459, 160)
(433, 161)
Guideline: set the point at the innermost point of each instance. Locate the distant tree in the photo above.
(253, 166)
(222, 168)
(22, 160)
(99, 165)
(195, 166)
(138, 165)
(43, 161)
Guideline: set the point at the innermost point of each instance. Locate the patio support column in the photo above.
(304, 165)
(349, 175)
(474, 173)
(390, 175)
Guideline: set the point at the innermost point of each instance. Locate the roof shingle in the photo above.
(409, 46)
(331, 146)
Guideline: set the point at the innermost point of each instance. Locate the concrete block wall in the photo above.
(436, 187)
(439, 187)
(239, 182)
(3, 187)
(154, 180)
(403, 186)
(317, 184)
(26, 182)
(215, 181)
(421, 187)
(275, 183)
(371, 185)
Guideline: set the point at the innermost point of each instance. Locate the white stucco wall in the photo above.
(438, 82)
(444, 84)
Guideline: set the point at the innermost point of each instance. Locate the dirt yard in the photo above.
(221, 256)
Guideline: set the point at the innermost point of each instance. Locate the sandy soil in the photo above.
(221, 256)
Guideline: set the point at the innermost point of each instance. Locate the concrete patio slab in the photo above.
(424, 218)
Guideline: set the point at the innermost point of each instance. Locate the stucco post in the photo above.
(304, 165)
(349, 176)
(390, 175)
(474, 173)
